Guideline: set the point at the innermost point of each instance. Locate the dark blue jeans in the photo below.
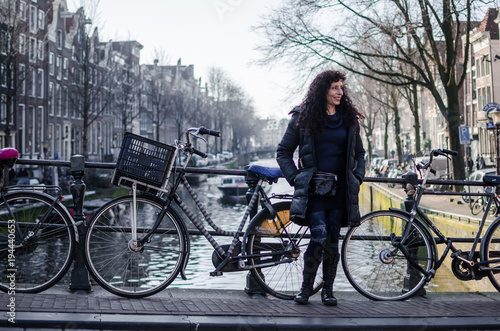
(325, 231)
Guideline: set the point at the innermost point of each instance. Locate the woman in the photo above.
(325, 128)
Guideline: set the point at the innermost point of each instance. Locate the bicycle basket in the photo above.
(144, 161)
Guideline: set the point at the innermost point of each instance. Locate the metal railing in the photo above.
(80, 277)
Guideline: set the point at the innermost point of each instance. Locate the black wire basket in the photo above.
(143, 161)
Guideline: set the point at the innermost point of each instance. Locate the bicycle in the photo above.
(37, 234)
(479, 204)
(392, 254)
(137, 245)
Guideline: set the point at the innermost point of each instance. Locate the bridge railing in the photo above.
(77, 165)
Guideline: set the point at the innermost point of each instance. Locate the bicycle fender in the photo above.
(257, 220)
(63, 207)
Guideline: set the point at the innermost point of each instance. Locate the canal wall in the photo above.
(377, 197)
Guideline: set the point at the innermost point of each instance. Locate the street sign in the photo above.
(464, 134)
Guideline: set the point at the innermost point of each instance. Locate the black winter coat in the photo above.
(300, 177)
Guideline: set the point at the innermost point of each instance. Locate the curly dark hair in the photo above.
(313, 115)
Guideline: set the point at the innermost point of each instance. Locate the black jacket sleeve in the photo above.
(286, 148)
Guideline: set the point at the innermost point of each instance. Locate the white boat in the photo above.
(233, 185)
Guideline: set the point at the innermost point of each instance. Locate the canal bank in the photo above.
(452, 217)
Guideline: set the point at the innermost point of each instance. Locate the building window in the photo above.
(65, 102)
(59, 39)
(51, 63)
(40, 83)
(41, 19)
(50, 137)
(65, 68)
(51, 98)
(33, 49)
(22, 77)
(487, 64)
(22, 44)
(33, 19)
(40, 50)
(32, 82)
(3, 76)
(3, 109)
(58, 100)
(59, 67)
(22, 10)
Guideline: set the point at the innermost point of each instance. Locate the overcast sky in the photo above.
(204, 33)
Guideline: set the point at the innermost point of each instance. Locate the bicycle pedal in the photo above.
(216, 273)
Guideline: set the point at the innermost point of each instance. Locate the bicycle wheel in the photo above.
(40, 232)
(490, 249)
(466, 198)
(477, 206)
(123, 271)
(493, 209)
(282, 277)
(372, 264)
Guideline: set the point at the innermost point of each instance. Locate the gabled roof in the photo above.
(488, 23)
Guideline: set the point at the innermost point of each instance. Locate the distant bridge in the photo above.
(266, 153)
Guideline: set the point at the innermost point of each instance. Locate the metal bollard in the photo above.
(79, 274)
(412, 276)
(252, 287)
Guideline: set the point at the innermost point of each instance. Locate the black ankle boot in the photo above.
(330, 263)
(310, 267)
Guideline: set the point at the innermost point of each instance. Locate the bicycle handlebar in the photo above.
(440, 151)
(203, 130)
(436, 152)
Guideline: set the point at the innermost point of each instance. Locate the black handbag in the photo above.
(323, 184)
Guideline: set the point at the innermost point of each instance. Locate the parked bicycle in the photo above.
(37, 234)
(392, 254)
(480, 203)
(137, 245)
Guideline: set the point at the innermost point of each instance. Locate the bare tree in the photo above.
(370, 109)
(301, 32)
(21, 57)
(90, 95)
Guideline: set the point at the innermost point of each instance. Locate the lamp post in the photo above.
(495, 115)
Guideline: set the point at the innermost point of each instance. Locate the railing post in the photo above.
(252, 287)
(79, 274)
(412, 275)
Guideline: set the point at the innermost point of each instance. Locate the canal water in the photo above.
(228, 215)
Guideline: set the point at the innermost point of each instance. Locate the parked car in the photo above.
(387, 165)
(24, 181)
(478, 176)
(375, 166)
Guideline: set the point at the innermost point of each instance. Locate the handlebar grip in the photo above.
(447, 151)
(433, 171)
(200, 153)
(214, 133)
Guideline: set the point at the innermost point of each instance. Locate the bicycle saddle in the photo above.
(8, 156)
(491, 180)
(268, 173)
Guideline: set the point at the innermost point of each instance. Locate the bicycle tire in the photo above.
(42, 258)
(490, 250)
(466, 198)
(377, 275)
(493, 209)
(477, 206)
(266, 235)
(129, 273)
